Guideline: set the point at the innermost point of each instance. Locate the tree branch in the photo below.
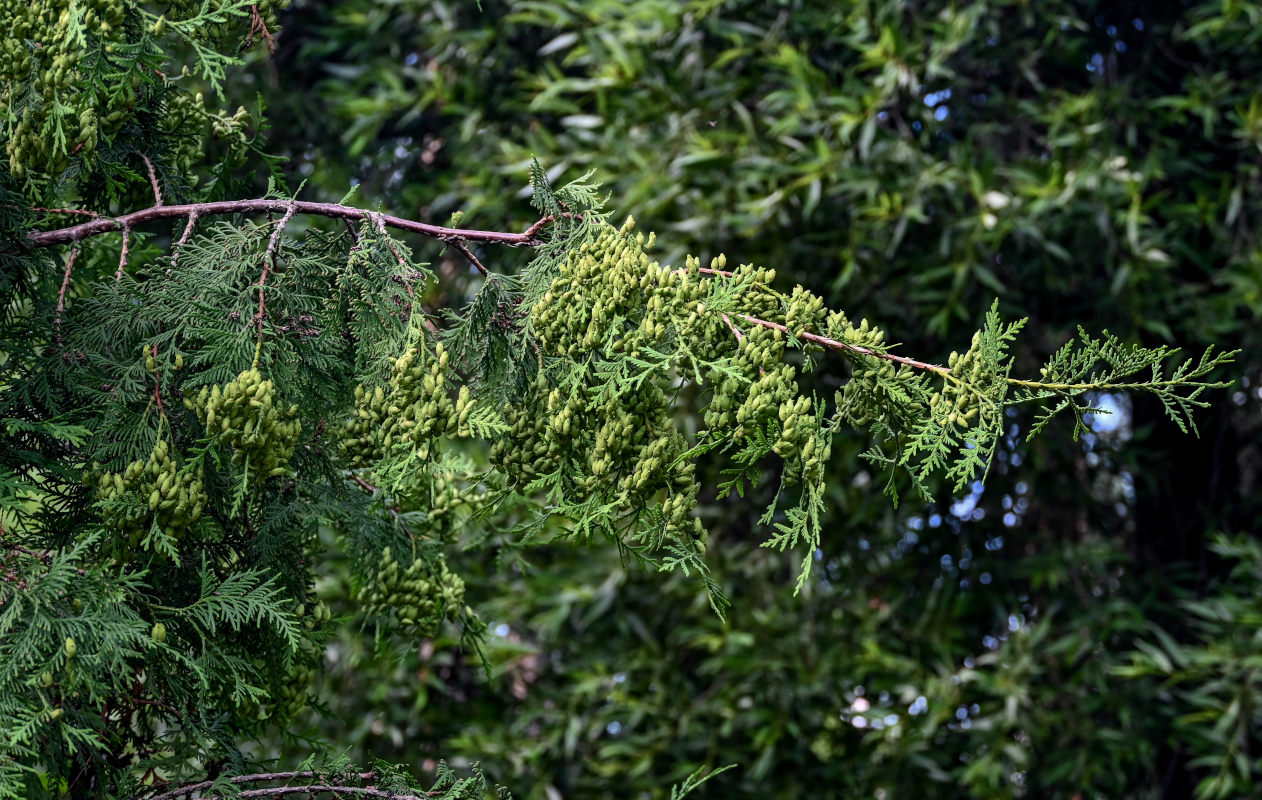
(852, 348)
(457, 236)
(102, 225)
(240, 779)
(269, 258)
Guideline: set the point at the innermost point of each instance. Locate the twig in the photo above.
(823, 340)
(153, 179)
(257, 25)
(78, 211)
(853, 348)
(379, 221)
(102, 225)
(366, 791)
(122, 258)
(538, 226)
(65, 282)
(240, 779)
(269, 258)
(463, 248)
(188, 229)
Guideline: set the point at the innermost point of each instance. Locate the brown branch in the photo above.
(366, 791)
(538, 226)
(852, 348)
(823, 340)
(65, 282)
(527, 237)
(464, 248)
(188, 229)
(240, 779)
(740, 337)
(122, 257)
(78, 211)
(269, 259)
(153, 180)
(102, 225)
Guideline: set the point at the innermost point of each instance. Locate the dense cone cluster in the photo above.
(413, 409)
(961, 401)
(40, 79)
(246, 415)
(416, 598)
(151, 492)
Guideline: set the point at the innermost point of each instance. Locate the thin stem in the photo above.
(153, 179)
(853, 348)
(379, 221)
(366, 791)
(65, 282)
(463, 248)
(269, 259)
(188, 230)
(122, 257)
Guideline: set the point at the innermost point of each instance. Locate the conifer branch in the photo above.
(403, 264)
(260, 777)
(100, 225)
(269, 258)
(853, 348)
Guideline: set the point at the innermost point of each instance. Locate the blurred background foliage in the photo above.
(1088, 625)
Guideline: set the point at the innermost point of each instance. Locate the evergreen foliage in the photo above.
(188, 411)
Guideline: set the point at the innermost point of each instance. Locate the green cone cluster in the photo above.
(416, 598)
(53, 111)
(149, 492)
(247, 416)
(413, 409)
(959, 402)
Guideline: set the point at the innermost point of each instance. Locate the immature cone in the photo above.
(412, 410)
(417, 598)
(247, 415)
(156, 490)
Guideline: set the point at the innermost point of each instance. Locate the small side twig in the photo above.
(79, 211)
(269, 258)
(65, 282)
(153, 180)
(380, 222)
(852, 348)
(259, 27)
(463, 248)
(188, 231)
(122, 258)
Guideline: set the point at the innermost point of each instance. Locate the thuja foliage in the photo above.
(185, 416)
